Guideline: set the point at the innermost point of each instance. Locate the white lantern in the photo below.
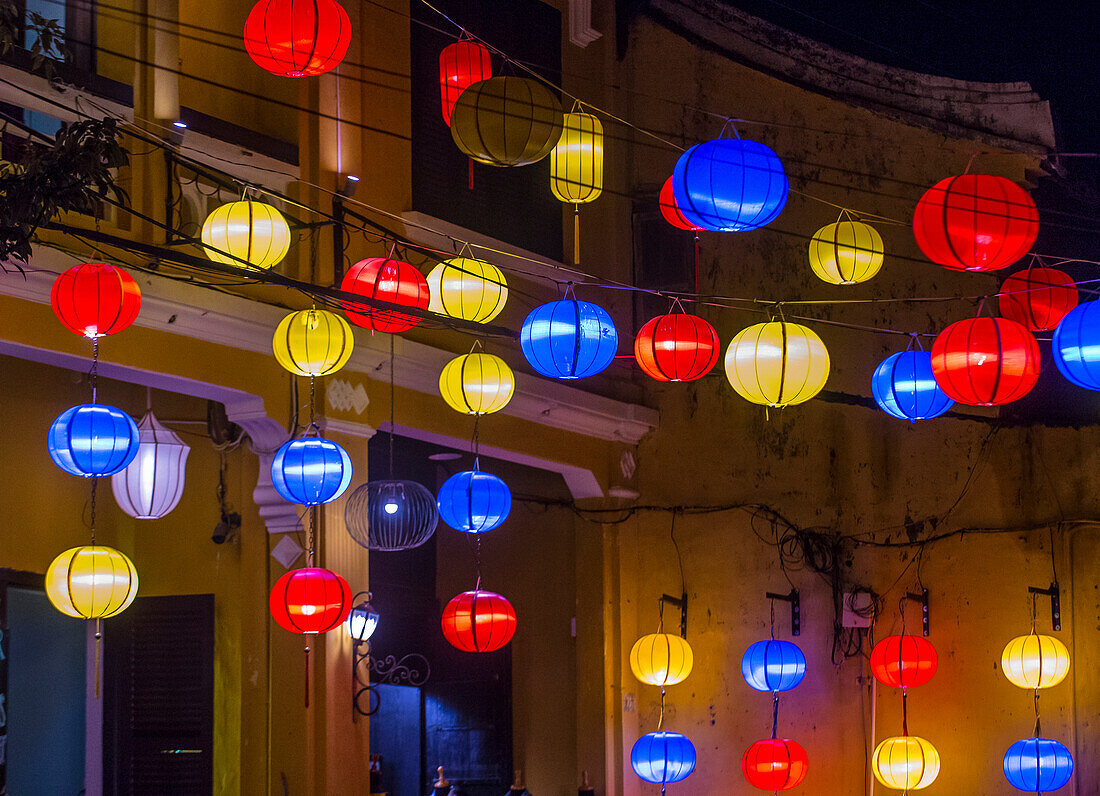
(152, 484)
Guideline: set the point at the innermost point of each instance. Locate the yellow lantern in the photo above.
(465, 288)
(576, 164)
(906, 762)
(477, 384)
(846, 252)
(1035, 661)
(251, 231)
(661, 659)
(777, 363)
(313, 342)
(92, 582)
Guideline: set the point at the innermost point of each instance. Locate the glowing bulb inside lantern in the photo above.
(309, 610)
(390, 508)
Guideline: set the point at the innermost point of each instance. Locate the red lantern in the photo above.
(297, 38)
(385, 280)
(669, 209)
(478, 621)
(461, 65)
(95, 299)
(985, 361)
(676, 347)
(310, 600)
(903, 661)
(975, 222)
(775, 764)
(1038, 298)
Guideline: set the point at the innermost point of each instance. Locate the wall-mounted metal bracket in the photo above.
(921, 598)
(682, 604)
(1055, 595)
(796, 608)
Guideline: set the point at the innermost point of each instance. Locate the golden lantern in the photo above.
(846, 253)
(466, 288)
(777, 363)
(905, 762)
(506, 121)
(661, 659)
(251, 231)
(477, 384)
(92, 582)
(313, 342)
(1035, 661)
(576, 164)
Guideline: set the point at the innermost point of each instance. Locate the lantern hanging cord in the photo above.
(775, 714)
(679, 558)
(904, 712)
(1038, 723)
(312, 402)
(391, 404)
(93, 374)
(309, 536)
(95, 483)
(771, 607)
(661, 717)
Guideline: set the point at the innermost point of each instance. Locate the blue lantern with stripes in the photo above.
(663, 757)
(903, 387)
(569, 339)
(311, 471)
(1038, 765)
(473, 501)
(93, 440)
(729, 185)
(1076, 345)
(773, 665)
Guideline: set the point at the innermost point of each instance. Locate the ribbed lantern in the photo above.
(477, 383)
(576, 163)
(474, 502)
(904, 387)
(1035, 661)
(677, 347)
(506, 121)
(1038, 765)
(846, 253)
(384, 279)
(663, 757)
(773, 665)
(391, 515)
(1076, 345)
(297, 38)
(1037, 298)
(310, 471)
(569, 339)
(975, 222)
(777, 363)
(91, 582)
(251, 231)
(478, 621)
(985, 361)
(95, 299)
(729, 185)
(775, 764)
(661, 659)
(666, 200)
(93, 440)
(313, 342)
(461, 64)
(903, 661)
(152, 484)
(467, 288)
(310, 600)
(906, 762)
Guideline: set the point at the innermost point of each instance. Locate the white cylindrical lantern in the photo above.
(152, 484)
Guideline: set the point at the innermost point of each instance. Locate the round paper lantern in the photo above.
(313, 342)
(676, 347)
(905, 763)
(975, 222)
(663, 757)
(661, 659)
(478, 621)
(729, 185)
(846, 253)
(310, 471)
(775, 764)
(477, 384)
(461, 64)
(576, 162)
(474, 502)
(903, 661)
(506, 121)
(383, 279)
(666, 200)
(569, 339)
(152, 484)
(1035, 661)
(904, 387)
(251, 231)
(310, 600)
(297, 38)
(1037, 298)
(391, 515)
(95, 299)
(1076, 346)
(466, 288)
(773, 665)
(985, 361)
(1038, 765)
(93, 440)
(777, 363)
(91, 582)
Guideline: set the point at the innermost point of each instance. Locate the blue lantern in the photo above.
(569, 339)
(1038, 765)
(773, 665)
(729, 185)
(903, 387)
(1076, 345)
(473, 501)
(93, 440)
(311, 471)
(663, 757)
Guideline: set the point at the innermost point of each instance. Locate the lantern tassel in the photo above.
(576, 234)
(697, 263)
(98, 636)
(307, 675)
